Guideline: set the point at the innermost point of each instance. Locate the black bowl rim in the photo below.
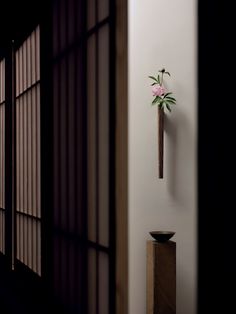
(163, 232)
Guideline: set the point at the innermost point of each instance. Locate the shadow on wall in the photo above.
(177, 153)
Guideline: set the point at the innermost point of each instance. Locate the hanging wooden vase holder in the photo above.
(160, 114)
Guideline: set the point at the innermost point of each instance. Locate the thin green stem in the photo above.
(162, 78)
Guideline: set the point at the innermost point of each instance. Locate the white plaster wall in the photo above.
(163, 33)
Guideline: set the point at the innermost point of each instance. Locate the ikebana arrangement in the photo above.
(163, 99)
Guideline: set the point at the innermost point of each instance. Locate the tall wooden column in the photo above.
(161, 277)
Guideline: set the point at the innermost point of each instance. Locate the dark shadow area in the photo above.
(75, 260)
(216, 158)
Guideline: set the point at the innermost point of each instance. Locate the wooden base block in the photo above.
(161, 277)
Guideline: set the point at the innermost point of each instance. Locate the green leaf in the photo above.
(170, 98)
(156, 99)
(167, 94)
(158, 79)
(170, 101)
(153, 83)
(153, 78)
(168, 107)
(167, 73)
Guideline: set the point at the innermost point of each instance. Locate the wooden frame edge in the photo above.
(121, 138)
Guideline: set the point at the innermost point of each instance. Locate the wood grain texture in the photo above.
(161, 277)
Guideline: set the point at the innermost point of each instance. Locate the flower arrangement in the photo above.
(162, 98)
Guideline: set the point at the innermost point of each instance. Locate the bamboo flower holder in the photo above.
(160, 140)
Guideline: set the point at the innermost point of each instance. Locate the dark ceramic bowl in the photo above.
(162, 236)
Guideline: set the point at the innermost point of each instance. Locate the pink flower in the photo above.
(158, 90)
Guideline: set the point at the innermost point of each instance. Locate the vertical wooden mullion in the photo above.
(17, 163)
(31, 150)
(1, 231)
(26, 149)
(25, 173)
(36, 146)
(38, 152)
(33, 54)
(37, 48)
(18, 154)
(76, 135)
(67, 104)
(1, 80)
(38, 180)
(97, 157)
(1, 163)
(1, 151)
(24, 66)
(112, 150)
(121, 155)
(27, 104)
(8, 154)
(17, 135)
(84, 155)
(1, 155)
(58, 109)
(1, 140)
(24, 155)
(34, 152)
(46, 149)
(29, 140)
(21, 174)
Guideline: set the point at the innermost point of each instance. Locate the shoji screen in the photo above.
(2, 156)
(28, 196)
(82, 211)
